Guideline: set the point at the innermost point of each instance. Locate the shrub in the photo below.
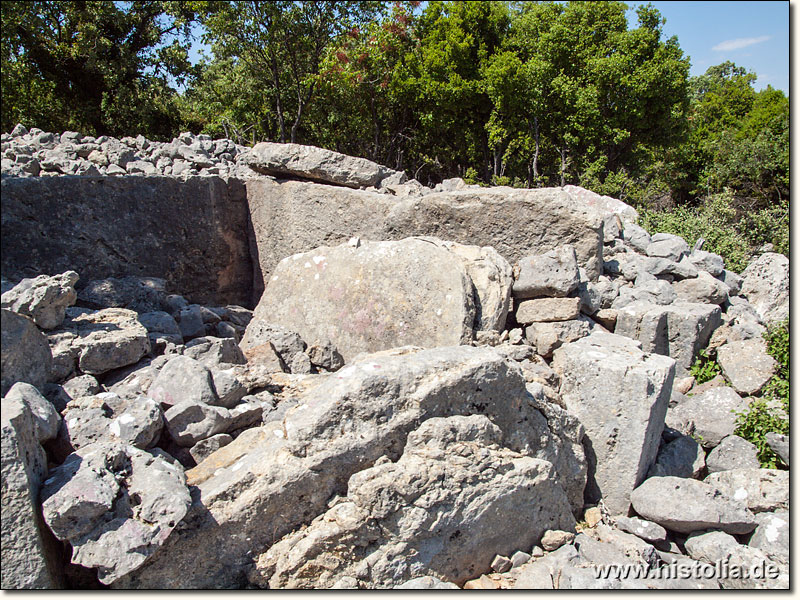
(761, 416)
(705, 368)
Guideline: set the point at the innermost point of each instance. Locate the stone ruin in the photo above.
(283, 367)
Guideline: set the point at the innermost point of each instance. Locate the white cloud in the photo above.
(739, 43)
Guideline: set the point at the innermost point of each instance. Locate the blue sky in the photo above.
(754, 35)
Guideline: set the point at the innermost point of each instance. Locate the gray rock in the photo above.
(103, 340)
(547, 337)
(45, 417)
(82, 385)
(459, 450)
(159, 321)
(733, 280)
(316, 164)
(431, 305)
(426, 583)
(711, 546)
(779, 444)
(605, 205)
(636, 236)
(542, 573)
(709, 416)
(228, 388)
(24, 352)
(189, 422)
(500, 564)
(552, 274)
(632, 546)
(663, 267)
(213, 352)
(554, 539)
(656, 291)
(183, 380)
(666, 245)
(686, 505)
(338, 428)
(761, 490)
(139, 425)
(620, 395)
(679, 330)
(542, 310)
(300, 364)
(204, 448)
(647, 530)
(140, 294)
(766, 286)
(682, 457)
(772, 535)
(732, 453)
(115, 504)
(30, 556)
(44, 299)
(190, 322)
(519, 558)
(324, 355)
(708, 261)
(746, 365)
(703, 289)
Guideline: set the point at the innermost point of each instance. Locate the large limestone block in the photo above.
(293, 216)
(25, 352)
(761, 490)
(44, 299)
(688, 505)
(620, 395)
(709, 416)
(30, 555)
(376, 296)
(606, 205)
(191, 232)
(441, 510)
(679, 330)
(552, 274)
(318, 164)
(271, 480)
(766, 286)
(746, 364)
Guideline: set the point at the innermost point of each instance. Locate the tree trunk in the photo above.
(563, 162)
(278, 108)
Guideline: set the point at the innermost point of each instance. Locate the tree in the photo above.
(102, 67)
(281, 45)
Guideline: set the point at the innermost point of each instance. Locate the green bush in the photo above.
(705, 368)
(761, 416)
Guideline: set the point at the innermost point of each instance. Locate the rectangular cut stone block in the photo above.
(542, 310)
(679, 330)
(620, 395)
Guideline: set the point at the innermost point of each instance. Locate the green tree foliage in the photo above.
(96, 67)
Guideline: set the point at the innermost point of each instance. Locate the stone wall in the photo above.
(195, 233)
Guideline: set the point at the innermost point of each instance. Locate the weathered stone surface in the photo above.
(204, 448)
(733, 280)
(191, 233)
(543, 310)
(620, 395)
(732, 453)
(377, 296)
(667, 245)
(140, 294)
(547, 337)
(688, 505)
(605, 205)
(709, 416)
(46, 419)
(213, 351)
(682, 457)
(271, 479)
(772, 535)
(761, 490)
(636, 236)
(710, 546)
(475, 500)
(160, 322)
(292, 216)
(703, 289)
(30, 556)
(189, 422)
(747, 365)
(647, 530)
(707, 261)
(552, 274)
(491, 277)
(324, 355)
(766, 286)
(679, 330)
(139, 424)
(553, 539)
(183, 379)
(115, 504)
(25, 352)
(426, 583)
(317, 164)
(779, 444)
(44, 299)
(655, 291)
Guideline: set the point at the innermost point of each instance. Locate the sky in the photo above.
(752, 34)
